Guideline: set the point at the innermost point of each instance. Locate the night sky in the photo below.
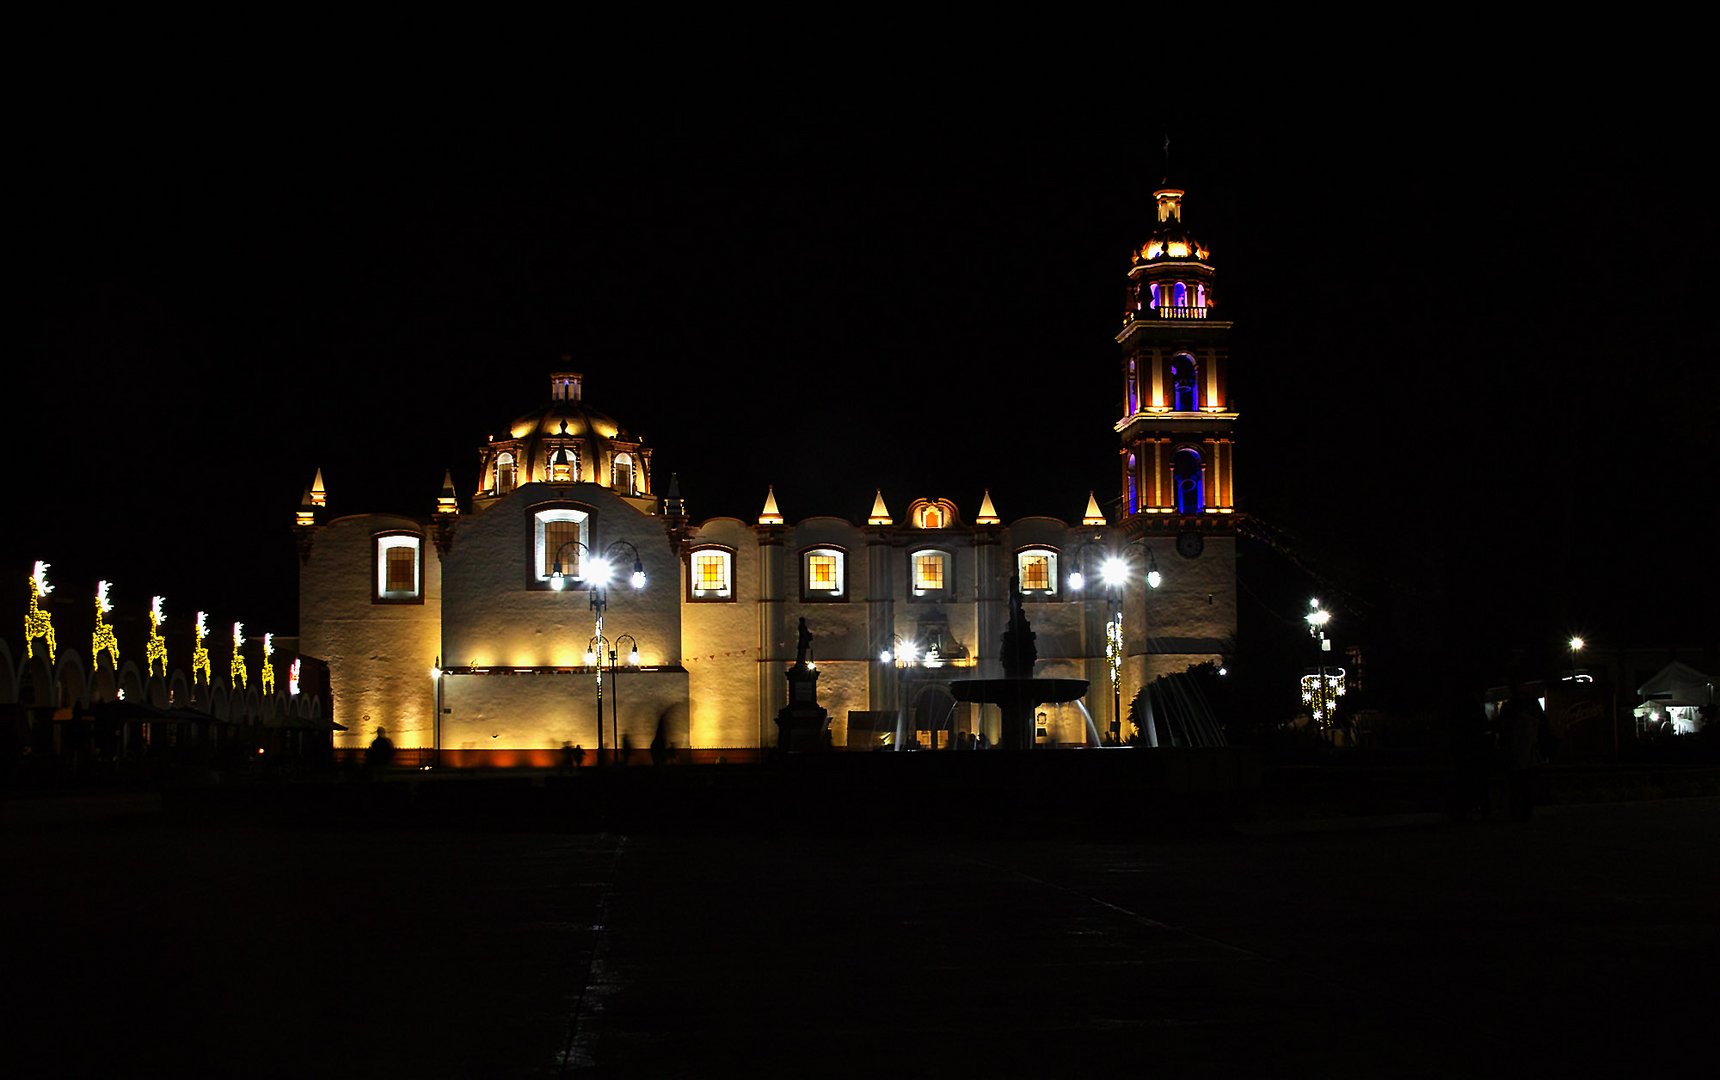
(1475, 368)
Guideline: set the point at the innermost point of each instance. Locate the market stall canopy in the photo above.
(1678, 684)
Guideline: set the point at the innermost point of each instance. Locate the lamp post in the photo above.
(1114, 574)
(436, 675)
(903, 652)
(595, 571)
(1322, 698)
(615, 695)
(1576, 646)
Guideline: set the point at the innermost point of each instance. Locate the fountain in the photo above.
(1017, 694)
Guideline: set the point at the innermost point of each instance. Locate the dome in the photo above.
(565, 441)
(1170, 240)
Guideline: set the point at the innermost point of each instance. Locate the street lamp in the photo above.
(1576, 646)
(902, 653)
(436, 675)
(1322, 696)
(615, 695)
(1114, 575)
(599, 569)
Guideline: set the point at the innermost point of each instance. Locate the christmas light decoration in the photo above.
(268, 668)
(1321, 692)
(199, 654)
(236, 670)
(293, 677)
(38, 623)
(103, 637)
(156, 648)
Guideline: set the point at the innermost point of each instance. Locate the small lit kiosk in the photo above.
(802, 725)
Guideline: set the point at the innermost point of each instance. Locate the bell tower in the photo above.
(1177, 454)
(1178, 458)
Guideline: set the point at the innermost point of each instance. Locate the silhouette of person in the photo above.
(380, 753)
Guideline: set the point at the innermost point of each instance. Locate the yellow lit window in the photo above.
(1038, 570)
(929, 571)
(821, 572)
(711, 572)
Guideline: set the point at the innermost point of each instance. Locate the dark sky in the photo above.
(1474, 366)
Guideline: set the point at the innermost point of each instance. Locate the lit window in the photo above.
(399, 570)
(504, 473)
(822, 575)
(930, 572)
(563, 532)
(1038, 570)
(624, 474)
(712, 573)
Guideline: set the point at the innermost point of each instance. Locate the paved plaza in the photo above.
(1583, 942)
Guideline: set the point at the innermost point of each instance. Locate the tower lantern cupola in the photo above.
(564, 386)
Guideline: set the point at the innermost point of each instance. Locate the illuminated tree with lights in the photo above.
(103, 638)
(236, 670)
(199, 654)
(268, 672)
(156, 649)
(38, 623)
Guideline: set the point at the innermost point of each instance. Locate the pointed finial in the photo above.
(447, 502)
(1093, 516)
(987, 512)
(306, 515)
(770, 515)
(880, 513)
(318, 494)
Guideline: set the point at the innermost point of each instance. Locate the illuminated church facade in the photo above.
(573, 601)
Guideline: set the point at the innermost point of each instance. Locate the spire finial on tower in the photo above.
(770, 515)
(987, 512)
(880, 514)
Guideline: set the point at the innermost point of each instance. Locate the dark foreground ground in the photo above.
(143, 942)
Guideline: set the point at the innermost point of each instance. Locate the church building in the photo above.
(572, 602)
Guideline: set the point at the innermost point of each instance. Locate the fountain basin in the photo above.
(1017, 697)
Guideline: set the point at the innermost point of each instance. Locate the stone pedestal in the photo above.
(802, 725)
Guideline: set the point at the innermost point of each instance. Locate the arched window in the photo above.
(1134, 497)
(1133, 398)
(1200, 296)
(1037, 569)
(823, 574)
(1181, 295)
(711, 574)
(1189, 476)
(1155, 302)
(504, 473)
(1185, 383)
(624, 474)
(931, 574)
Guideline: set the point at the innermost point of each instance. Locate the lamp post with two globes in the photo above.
(595, 571)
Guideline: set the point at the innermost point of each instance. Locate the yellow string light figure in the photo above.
(236, 670)
(268, 668)
(156, 648)
(199, 654)
(103, 637)
(38, 623)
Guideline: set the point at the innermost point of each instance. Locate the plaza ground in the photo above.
(143, 938)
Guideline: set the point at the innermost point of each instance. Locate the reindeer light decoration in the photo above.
(38, 623)
(199, 654)
(236, 670)
(268, 668)
(156, 648)
(103, 637)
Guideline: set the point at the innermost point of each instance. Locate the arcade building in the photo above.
(571, 601)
